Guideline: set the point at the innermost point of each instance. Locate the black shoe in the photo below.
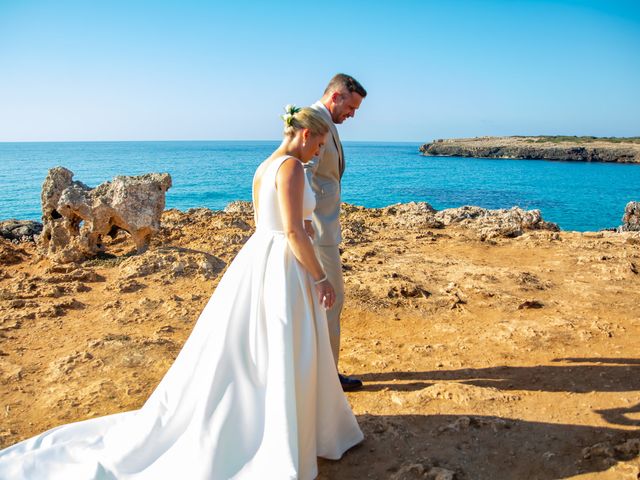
(349, 384)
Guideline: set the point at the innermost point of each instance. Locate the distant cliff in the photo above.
(580, 149)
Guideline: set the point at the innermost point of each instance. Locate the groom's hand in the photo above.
(308, 227)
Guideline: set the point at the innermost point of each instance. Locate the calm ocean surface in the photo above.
(577, 196)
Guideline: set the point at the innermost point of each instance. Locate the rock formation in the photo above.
(631, 218)
(511, 222)
(543, 148)
(20, 230)
(76, 217)
(239, 206)
(483, 222)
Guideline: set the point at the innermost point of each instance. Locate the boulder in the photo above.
(20, 230)
(239, 206)
(631, 218)
(413, 214)
(76, 217)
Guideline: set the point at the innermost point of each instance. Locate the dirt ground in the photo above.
(482, 358)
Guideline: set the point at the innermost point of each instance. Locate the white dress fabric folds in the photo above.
(253, 393)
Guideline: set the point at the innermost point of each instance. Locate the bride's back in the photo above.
(265, 195)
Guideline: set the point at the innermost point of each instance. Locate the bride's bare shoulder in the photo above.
(290, 171)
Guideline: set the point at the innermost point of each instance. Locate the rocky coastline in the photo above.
(491, 343)
(579, 149)
(486, 223)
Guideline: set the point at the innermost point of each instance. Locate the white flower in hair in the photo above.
(290, 111)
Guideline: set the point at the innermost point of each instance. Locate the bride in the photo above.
(254, 392)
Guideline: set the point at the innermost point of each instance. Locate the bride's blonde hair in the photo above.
(305, 118)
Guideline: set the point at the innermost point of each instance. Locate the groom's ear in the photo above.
(335, 96)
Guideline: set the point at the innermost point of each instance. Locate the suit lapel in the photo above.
(338, 145)
(334, 134)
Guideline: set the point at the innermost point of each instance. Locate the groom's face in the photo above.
(345, 105)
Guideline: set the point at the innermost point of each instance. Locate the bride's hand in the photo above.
(326, 294)
(308, 227)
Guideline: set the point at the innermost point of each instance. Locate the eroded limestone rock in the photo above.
(631, 218)
(511, 222)
(239, 206)
(76, 217)
(10, 254)
(413, 214)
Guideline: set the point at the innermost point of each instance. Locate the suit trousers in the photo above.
(329, 256)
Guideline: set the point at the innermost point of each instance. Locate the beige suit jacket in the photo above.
(324, 173)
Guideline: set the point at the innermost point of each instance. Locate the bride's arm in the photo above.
(290, 187)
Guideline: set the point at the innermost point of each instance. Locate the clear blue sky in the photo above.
(156, 70)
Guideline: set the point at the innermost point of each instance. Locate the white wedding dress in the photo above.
(253, 394)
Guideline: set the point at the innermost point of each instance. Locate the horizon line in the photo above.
(194, 140)
(280, 139)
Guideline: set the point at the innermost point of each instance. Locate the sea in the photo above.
(575, 195)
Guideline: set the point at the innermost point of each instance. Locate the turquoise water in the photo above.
(577, 196)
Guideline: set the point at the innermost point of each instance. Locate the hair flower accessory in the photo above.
(290, 110)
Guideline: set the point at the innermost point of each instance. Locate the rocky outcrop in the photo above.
(542, 148)
(20, 230)
(511, 222)
(631, 218)
(413, 214)
(239, 206)
(171, 263)
(360, 224)
(10, 254)
(76, 217)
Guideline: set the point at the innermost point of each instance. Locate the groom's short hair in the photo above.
(347, 82)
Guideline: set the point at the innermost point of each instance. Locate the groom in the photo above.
(340, 100)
